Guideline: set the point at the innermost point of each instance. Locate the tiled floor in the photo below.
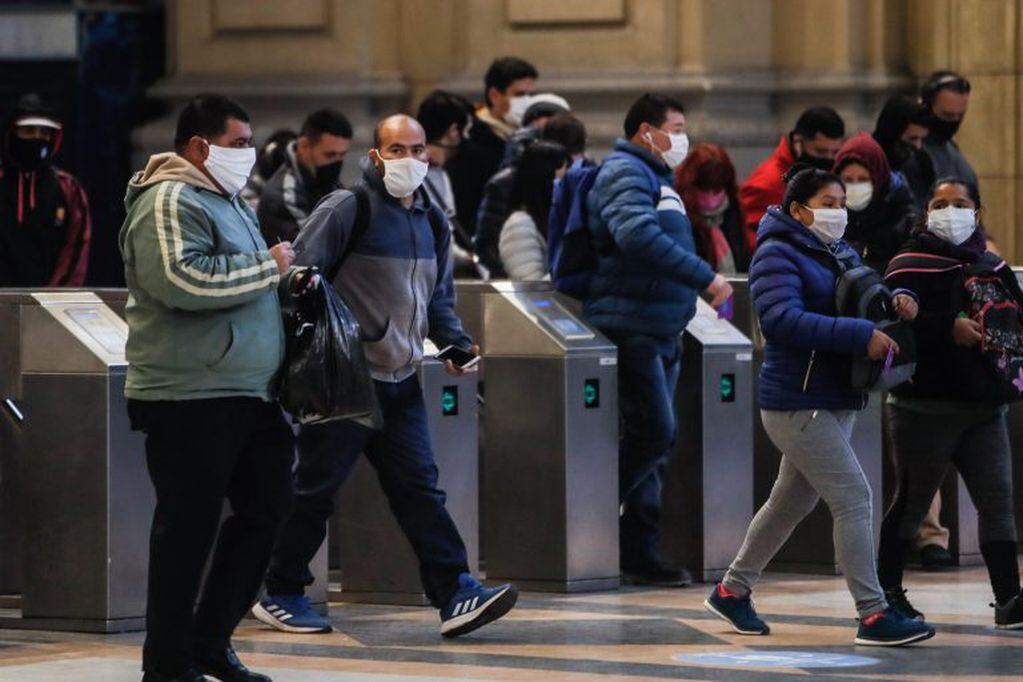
(631, 634)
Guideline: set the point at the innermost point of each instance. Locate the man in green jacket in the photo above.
(205, 342)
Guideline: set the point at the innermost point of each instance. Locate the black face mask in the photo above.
(29, 154)
(942, 129)
(900, 152)
(816, 161)
(327, 176)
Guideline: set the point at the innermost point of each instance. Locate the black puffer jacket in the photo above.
(494, 210)
(879, 231)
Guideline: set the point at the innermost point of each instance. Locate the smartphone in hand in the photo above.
(459, 357)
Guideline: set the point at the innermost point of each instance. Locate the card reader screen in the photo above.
(109, 337)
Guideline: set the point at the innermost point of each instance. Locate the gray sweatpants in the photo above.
(817, 461)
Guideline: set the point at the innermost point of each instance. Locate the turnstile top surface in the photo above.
(536, 323)
(713, 332)
(72, 331)
(478, 286)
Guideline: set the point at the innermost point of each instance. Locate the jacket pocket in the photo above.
(245, 352)
(389, 352)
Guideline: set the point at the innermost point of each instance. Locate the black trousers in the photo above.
(199, 453)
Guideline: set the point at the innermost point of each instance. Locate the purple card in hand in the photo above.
(888, 359)
(725, 311)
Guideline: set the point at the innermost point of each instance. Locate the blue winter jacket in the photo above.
(648, 273)
(809, 350)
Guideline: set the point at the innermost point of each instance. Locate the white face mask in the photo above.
(858, 195)
(679, 149)
(517, 109)
(403, 176)
(230, 166)
(954, 225)
(828, 224)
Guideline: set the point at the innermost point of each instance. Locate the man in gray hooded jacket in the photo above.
(395, 275)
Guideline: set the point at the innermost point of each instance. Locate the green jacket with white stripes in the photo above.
(204, 318)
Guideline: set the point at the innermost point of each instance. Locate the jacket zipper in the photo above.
(412, 283)
(809, 368)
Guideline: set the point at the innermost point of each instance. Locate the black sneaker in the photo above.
(736, 611)
(1010, 615)
(896, 597)
(935, 558)
(656, 575)
(891, 628)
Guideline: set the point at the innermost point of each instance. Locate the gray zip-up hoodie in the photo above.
(396, 279)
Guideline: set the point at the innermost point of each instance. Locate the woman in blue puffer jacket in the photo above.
(808, 406)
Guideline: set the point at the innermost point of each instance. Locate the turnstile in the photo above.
(810, 548)
(551, 443)
(708, 485)
(82, 471)
(377, 563)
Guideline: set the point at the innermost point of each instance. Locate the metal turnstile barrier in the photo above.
(84, 556)
(377, 563)
(551, 444)
(708, 484)
(810, 548)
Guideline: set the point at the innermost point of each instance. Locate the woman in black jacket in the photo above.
(952, 413)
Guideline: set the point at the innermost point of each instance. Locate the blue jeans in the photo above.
(648, 369)
(401, 454)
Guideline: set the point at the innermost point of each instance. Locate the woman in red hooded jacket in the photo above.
(706, 183)
(881, 208)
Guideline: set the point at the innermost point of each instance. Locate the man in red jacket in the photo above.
(44, 213)
(815, 140)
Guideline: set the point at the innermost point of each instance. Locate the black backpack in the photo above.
(860, 292)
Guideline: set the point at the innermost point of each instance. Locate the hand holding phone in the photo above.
(459, 359)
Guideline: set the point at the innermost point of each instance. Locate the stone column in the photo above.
(981, 39)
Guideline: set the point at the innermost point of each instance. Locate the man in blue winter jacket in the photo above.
(395, 275)
(642, 296)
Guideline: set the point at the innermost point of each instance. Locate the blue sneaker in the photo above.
(474, 605)
(290, 613)
(736, 611)
(891, 628)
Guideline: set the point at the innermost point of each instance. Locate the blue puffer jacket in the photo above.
(648, 273)
(808, 351)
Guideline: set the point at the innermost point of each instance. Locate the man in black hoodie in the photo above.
(506, 84)
(44, 213)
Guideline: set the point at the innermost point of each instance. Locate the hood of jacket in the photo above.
(864, 150)
(164, 167)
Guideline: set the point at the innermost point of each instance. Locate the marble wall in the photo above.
(744, 68)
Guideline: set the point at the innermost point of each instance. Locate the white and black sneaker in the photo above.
(474, 605)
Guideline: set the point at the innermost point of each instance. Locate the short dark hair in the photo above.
(943, 80)
(804, 181)
(439, 110)
(206, 116)
(329, 121)
(823, 120)
(652, 109)
(566, 130)
(503, 72)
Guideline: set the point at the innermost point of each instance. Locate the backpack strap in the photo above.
(359, 227)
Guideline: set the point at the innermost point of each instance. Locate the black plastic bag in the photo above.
(325, 374)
